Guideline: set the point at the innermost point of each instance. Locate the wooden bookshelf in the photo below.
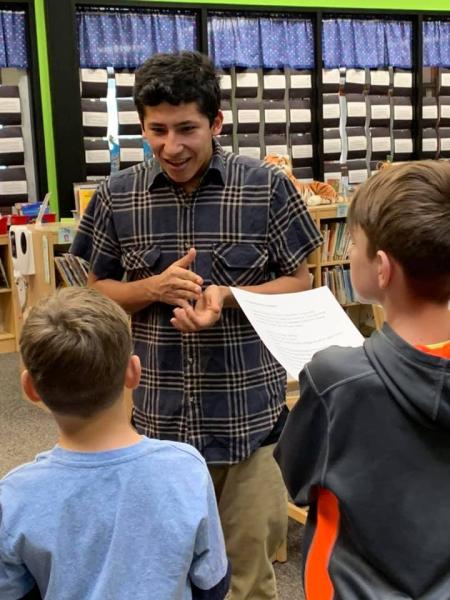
(8, 339)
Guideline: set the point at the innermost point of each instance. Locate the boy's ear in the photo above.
(384, 269)
(133, 372)
(216, 126)
(28, 387)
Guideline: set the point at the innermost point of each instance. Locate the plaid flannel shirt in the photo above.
(219, 389)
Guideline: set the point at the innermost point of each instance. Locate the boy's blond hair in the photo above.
(405, 211)
(76, 345)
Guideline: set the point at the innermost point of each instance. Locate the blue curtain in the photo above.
(13, 40)
(270, 42)
(436, 44)
(370, 43)
(124, 40)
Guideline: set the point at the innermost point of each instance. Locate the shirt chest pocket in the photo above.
(141, 262)
(239, 264)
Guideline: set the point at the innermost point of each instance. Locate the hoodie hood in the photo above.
(419, 382)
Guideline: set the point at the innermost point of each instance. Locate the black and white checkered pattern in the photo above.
(220, 389)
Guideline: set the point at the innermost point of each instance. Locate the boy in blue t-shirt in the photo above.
(106, 513)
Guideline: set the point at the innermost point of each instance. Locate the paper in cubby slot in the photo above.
(355, 81)
(275, 116)
(4, 282)
(331, 110)
(444, 111)
(379, 81)
(276, 144)
(10, 113)
(127, 117)
(331, 79)
(226, 141)
(94, 83)
(332, 170)
(131, 151)
(429, 111)
(357, 171)
(303, 174)
(11, 146)
(356, 142)
(124, 84)
(299, 83)
(95, 117)
(332, 144)
(379, 110)
(248, 115)
(356, 110)
(274, 84)
(380, 143)
(97, 156)
(226, 83)
(247, 83)
(429, 143)
(227, 125)
(249, 144)
(402, 82)
(403, 148)
(403, 112)
(301, 149)
(444, 82)
(444, 142)
(13, 186)
(300, 115)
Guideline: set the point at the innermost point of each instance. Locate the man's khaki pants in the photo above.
(252, 502)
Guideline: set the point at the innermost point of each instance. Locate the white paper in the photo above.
(227, 117)
(355, 76)
(445, 143)
(403, 112)
(253, 152)
(429, 144)
(356, 109)
(9, 105)
(125, 79)
(403, 145)
(11, 188)
(227, 148)
(225, 82)
(379, 78)
(11, 145)
(247, 80)
(357, 175)
(94, 75)
(128, 117)
(402, 80)
(248, 115)
(275, 115)
(302, 81)
(445, 110)
(95, 119)
(445, 79)
(330, 175)
(305, 180)
(300, 115)
(356, 142)
(429, 111)
(296, 326)
(97, 156)
(331, 111)
(277, 149)
(302, 151)
(133, 155)
(380, 111)
(331, 76)
(274, 82)
(332, 145)
(381, 144)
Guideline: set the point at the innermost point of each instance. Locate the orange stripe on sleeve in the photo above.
(318, 584)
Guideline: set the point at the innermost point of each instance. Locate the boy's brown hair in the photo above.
(404, 210)
(76, 345)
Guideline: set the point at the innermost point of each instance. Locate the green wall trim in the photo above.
(46, 103)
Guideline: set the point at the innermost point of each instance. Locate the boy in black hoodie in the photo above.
(367, 447)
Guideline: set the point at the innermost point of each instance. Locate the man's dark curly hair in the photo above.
(176, 78)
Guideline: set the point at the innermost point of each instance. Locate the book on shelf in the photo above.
(72, 270)
(4, 283)
(338, 280)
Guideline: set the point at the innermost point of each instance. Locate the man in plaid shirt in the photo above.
(166, 239)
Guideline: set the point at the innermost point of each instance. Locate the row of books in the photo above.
(336, 241)
(72, 269)
(338, 280)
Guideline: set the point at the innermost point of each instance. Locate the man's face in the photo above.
(181, 139)
(363, 270)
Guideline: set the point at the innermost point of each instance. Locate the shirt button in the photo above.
(190, 360)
